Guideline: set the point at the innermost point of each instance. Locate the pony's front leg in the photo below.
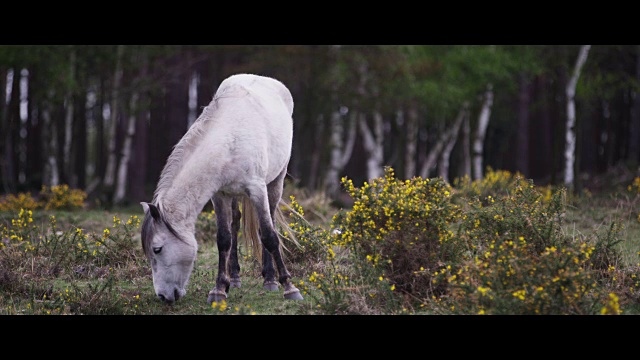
(234, 264)
(222, 208)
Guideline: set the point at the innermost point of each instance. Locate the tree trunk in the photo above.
(11, 129)
(80, 141)
(634, 121)
(138, 168)
(110, 172)
(466, 146)
(452, 136)
(570, 136)
(50, 137)
(4, 133)
(68, 123)
(35, 148)
(121, 183)
(430, 161)
(411, 144)
(317, 153)
(340, 152)
(522, 133)
(478, 140)
(373, 144)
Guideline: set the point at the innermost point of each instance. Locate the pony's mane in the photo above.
(190, 139)
(181, 150)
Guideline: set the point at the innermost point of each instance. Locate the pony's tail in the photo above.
(251, 228)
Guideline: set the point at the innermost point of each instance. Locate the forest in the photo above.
(104, 118)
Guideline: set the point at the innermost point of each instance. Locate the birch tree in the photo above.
(6, 147)
(341, 143)
(411, 143)
(341, 138)
(452, 136)
(121, 183)
(481, 131)
(373, 141)
(68, 119)
(446, 141)
(466, 146)
(570, 136)
(110, 172)
(127, 147)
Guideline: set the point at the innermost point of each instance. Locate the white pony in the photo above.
(237, 149)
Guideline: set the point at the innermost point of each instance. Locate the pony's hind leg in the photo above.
(268, 271)
(234, 265)
(222, 207)
(274, 194)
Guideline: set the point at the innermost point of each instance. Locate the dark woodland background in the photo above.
(104, 118)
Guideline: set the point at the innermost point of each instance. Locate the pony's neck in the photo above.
(183, 203)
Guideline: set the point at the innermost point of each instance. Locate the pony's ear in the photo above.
(155, 213)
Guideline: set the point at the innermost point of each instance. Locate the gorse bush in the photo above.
(410, 248)
(19, 201)
(402, 229)
(61, 197)
(521, 262)
(58, 197)
(498, 182)
(493, 183)
(396, 232)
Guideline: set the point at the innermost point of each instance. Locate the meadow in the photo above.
(502, 245)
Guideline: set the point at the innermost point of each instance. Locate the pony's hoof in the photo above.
(270, 285)
(235, 283)
(216, 296)
(292, 293)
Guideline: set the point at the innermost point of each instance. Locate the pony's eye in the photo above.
(156, 250)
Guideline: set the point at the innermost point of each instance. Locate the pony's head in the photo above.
(170, 254)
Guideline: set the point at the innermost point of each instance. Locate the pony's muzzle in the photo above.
(169, 300)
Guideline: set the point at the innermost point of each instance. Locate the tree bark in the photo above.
(110, 172)
(570, 136)
(12, 125)
(80, 142)
(449, 143)
(522, 133)
(634, 121)
(4, 132)
(340, 152)
(430, 161)
(373, 144)
(121, 183)
(68, 122)
(466, 146)
(411, 144)
(50, 137)
(481, 131)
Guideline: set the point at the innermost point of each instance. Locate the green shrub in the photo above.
(57, 197)
(61, 197)
(521, 262)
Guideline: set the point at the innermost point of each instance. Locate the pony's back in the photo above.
(258, 86)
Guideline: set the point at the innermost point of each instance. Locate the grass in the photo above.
(118, 280)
